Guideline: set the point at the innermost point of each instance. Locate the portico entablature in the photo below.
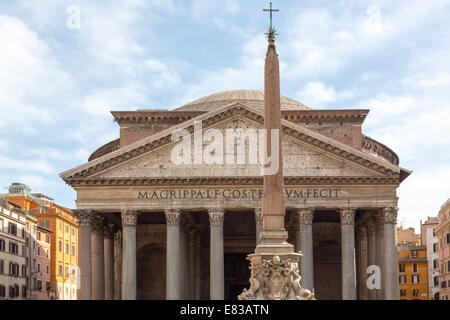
(336, 157)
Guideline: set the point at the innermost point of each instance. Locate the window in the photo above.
(60, 226)
(67, 272)
(39, 267)
(60, 246)
(2, 266)
(24, 291)
(435, 263)
(12, 292)
(73, 231)
(1, 224)
(415, 278)
(44, 223)
(47, 238)
(435, 247)
(67, 228)
(60, 270)
(402, 279)
(39, 285)
(401, 267)
(434, 232)
(73, 251)
(448, 238)
(67, 248)
(415, 292)
(48, 269)
(436, 281)
(2, 291)
(403, 293)
(414, 254)
(13, 269)
(47, 286)
(39, 236)
(2, 245)
(24, 270)
(39, 251)
(13, 248)
(414, 266)
(12, 228)
(443, 284)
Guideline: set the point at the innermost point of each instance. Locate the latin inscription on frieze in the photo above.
(233, 194)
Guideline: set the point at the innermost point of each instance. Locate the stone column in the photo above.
(364, 294)
(98, 260)
(118, 265)
(390, 254)
(84, 253)
(348, 254)
(198, 265)
(173, 284)
(371, 253)
(129, 283)
(379, 251)
(109, 261)
(184, 258)
(259, 223)
(217, 281)
(305, 240)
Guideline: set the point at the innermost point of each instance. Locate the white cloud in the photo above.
(35, 182)
(24, 165)
(28, 75)
(323, 40)
(422, 194)
(316, 94)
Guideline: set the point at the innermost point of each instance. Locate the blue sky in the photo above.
(57, 85)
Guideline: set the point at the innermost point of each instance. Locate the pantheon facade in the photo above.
(153, 229)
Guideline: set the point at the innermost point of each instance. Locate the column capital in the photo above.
(129, 217)
(109, 230)
(370, 227)
(97, 222)
(258, 215)
(347, 216)
(305, 215)
(84, 217)
(378, 219)
(216, 216)
(172, 217)
(390, 214)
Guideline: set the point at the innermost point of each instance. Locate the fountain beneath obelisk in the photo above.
(274, 265)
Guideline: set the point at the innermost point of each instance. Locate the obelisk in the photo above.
(274, 265)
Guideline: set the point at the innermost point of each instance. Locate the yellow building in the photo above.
(413, 272)
(64, 241)
(64, 250)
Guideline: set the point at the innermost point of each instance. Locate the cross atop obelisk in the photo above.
(271, 10)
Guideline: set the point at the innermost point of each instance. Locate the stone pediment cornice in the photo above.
(226, 181)
(301, 134)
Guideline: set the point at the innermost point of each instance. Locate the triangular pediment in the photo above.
(305, 154)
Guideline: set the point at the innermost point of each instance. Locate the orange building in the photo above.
(63, 242)
(413, 266)
(43, 260)
(443, 234)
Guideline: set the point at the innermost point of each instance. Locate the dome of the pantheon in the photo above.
(253, 98)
